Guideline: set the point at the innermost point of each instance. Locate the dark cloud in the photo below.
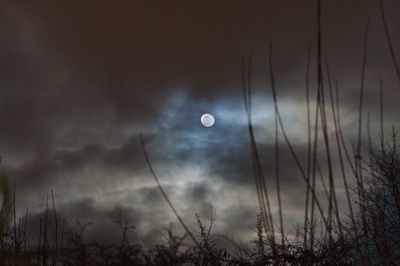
(80, 80)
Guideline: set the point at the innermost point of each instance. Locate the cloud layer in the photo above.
(81, 81)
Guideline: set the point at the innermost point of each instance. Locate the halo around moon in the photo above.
(207, 120)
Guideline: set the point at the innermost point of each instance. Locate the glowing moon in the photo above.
(207, 120)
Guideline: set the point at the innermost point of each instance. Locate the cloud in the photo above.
(81, 80)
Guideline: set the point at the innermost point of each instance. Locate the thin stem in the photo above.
(149, 165)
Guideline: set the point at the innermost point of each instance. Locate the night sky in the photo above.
(80, 80)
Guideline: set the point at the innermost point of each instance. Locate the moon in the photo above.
(207, 120)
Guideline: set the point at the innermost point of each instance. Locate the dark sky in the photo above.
(81, 79)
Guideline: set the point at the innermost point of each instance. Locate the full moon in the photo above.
(207, 120)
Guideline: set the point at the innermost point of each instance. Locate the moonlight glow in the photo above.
(207, 120)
